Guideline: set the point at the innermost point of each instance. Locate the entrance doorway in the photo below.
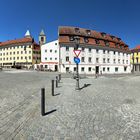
(56, 68)
(97, 70)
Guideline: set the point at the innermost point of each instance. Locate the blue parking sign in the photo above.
(76, 60)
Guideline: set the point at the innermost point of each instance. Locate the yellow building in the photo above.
(24, 52)
(135, 59)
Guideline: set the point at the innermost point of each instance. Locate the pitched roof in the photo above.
(17, 41)
(42, 32)
(136, 48)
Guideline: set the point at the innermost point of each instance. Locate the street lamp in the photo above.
(77, 41)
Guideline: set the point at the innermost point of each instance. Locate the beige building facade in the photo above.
(24, 52)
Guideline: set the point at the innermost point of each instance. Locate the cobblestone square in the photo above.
(107, 109)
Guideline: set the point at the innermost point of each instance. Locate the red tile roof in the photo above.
(16, 41)
(66, 31)
(137, 48)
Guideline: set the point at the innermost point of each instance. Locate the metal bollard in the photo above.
(56, 81)
(42, 101)
(52, 87)
(59, 75)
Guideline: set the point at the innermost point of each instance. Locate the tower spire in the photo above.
(42, 37)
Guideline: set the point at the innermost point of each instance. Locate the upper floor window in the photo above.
(77, 30)
(89, 49)
(103, 34)
(103, 51)
(97, 60)
(45, 50)
(106, 43)
(89, 59)
(83, 49)
(97, 51)
(86, 40)
(88, 32)
(82, 59)
(103, 60)
(67, 48)
(97, 41)
(71, 38)
(50, 50)
(67, 58)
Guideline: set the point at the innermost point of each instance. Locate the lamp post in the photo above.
(77, 39)
(133, 63)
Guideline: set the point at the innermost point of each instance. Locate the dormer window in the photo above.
(86, 40)
(97, 41)
(106, 43)
(113, 37)
(77, 30)
(117, 45)
(103, 34)
(71, 38)
(88, 32)
(119, 39)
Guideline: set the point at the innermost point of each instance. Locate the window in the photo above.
(45, 58)
(125, 68)
(106, 43)
(46, 66)
(17, 58)
(25, 57)
(114, 61)
(7, 58)
(103, 51)
(55, 58)
(71, 38)
(29, 57)
(17, 52)
(97, 41)
(10, 52)
(97, 51)
(126, 61)
(77, 30)
(50, 58)
(103, 68)
(55, 51)
(114, 52)
(67, 69)
(29, 52)
(103, 60)
(21, 57)
(67, 48)
(10, 58)
(88, 32)
(7, 53)
(55, 43)
(82, 69)
(119, 61)
(13, 58)
(97, 60)
(45, 50)
(108, 69)
(50, 50)
(89, 49)
(108, 60)
(21, 52)
(82, 59)
(103, 34)
(74, 69)
(83, 49)
(123, 61)
(3, 53)
(67, 59)
(116, 69)
(86, 40)
(89, 59)
(13, 52)
(89, 69)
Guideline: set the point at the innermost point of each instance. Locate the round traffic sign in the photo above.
(76, 60)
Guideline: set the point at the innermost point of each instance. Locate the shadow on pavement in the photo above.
(85, 85)
(47, 113)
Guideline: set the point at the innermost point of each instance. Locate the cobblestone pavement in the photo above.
(107, 108)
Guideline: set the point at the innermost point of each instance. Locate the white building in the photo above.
(100, 53)
(50, 56)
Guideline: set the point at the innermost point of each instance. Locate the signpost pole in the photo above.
(77, 77)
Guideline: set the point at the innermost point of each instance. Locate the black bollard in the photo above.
(56, 81)
(42, 101)
(52, 87)
(59, 75)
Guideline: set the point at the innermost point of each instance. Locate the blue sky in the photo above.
(117, 17)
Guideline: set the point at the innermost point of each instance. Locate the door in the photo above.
(97, 69)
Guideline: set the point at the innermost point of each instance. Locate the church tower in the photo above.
(42, 37)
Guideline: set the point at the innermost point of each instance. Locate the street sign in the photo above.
(76, 60)
(77, 52)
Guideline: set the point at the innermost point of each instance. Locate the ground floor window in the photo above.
(67, 69)
(125, 68)
(46, 66)
(108, 69)
(104, 69)
(82, 69)
(116, 69)
(89, 69)
(74, 69)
